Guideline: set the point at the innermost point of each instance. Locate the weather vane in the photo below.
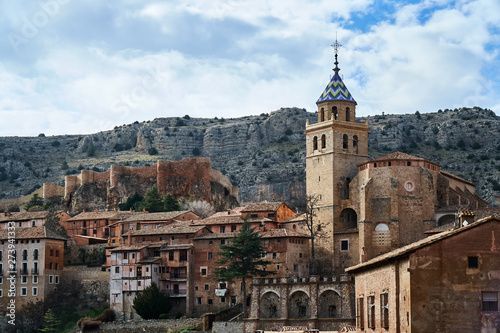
(336, 46)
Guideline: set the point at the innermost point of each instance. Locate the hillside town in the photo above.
(391, 244)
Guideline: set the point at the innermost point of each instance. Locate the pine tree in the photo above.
(152, 201)
(52, 223)
(151, 303)
(51, 323)
(242, 258)
(35, 201)
(170, 204)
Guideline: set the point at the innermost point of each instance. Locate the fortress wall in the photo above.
(191, 175)
(89, 176)
(217, 177)
(71, 183)
(49, 190)
(118, 171)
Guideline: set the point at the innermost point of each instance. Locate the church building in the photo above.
(370, 207)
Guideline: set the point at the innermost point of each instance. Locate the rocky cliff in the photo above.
(263, 155)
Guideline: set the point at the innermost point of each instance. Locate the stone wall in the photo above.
(94, 284)
(190, 177)
(228, 326)
(150, 326)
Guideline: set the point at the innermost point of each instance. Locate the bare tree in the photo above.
(314, 227)
(199, 207)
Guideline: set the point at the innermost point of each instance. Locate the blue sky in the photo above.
(74, 67)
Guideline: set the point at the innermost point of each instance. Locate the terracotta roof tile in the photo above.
(226, 220)
(232, 212)
(167, 230)
(263, 206)
(274, 233)
(22, 216)
(398, 156)
(32, 233)
(161, 216)
(109, 215)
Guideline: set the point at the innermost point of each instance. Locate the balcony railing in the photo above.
(136, 277)
(34, 271)
(23, 271)
(170, 276)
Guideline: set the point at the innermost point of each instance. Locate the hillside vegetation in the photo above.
(263, 155)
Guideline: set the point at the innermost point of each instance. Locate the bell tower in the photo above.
(336, 144)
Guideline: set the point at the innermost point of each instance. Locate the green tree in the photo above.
(51, 323)
(170, 204)
(131, 202)
(242, 258)
(151, 303)
(35, 201)
(152, 201)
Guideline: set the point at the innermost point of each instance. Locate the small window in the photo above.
(408, 163)
(203, 271)
(409, 186)
(473, 262)
(345, 141)
(490, 301)
(295, 267)
(222, 229)
(360, 315)
(222, 241)
(139, 283)
(35, 279)
(384, 310)
(275, 255)
(34, 291)
(344, 245)
(1, 293)
(323, 141)
(56, 279)
(347, 114)
(206, 287)
(315, 143)
(300, 255)
(198, 300)
(210, 301)
(24, 279)
(223, 300)
(209, 255)
(371, 311)
(233, 228)
(24, 291)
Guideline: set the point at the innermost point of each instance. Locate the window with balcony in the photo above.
(35, 254)
(222, 229)
(25, 254)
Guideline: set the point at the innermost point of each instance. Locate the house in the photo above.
(38, 264)
(29, 219)
(447, 282)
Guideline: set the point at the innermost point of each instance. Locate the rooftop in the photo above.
(31, 233)
(167, 230)
(264, 206)
(336, 90)
(161, 216)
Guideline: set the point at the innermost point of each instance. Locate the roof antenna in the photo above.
(336, 46)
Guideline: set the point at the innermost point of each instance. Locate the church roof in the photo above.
(398, 156)
(336, 90)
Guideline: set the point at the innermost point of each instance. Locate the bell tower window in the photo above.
(355, 143)
(323, 141)
(322, 114)
(334, 112)
(315, 143)
(347, 114)
(345, 141)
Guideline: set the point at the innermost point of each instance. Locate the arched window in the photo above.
(347, 114)
(334, 112)
(355, 143)
(322, 114)
(315, 143)
(382, 235)
(323, 141)
(345, 142)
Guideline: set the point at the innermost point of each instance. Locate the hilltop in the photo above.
(263, 155)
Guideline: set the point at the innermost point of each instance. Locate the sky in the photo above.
(78, 67)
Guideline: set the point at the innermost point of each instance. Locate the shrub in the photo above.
(90, 150)
(179, 122)
(106, 316)
(64, 166)
(41, 135)
(151, 303)
(55, 143)
(476, 145)
(163, 316)
(187, 117)
(152, 151)
(196, 151)
(288, 131)
(118, 147)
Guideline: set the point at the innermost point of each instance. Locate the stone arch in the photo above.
(329, 304)
(446, 219)
(349, 218)
(382, 235)
(347, 114)
(323, 141)
(345, 141)
(269, 305)
(315, 143)
(298, 305)
(335, 113)
(322, 114)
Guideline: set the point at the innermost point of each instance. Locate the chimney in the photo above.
(131, 209)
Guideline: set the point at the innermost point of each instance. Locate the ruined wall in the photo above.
(95, 284)
(227, 326)
(190, 177)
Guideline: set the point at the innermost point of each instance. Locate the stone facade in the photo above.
(313, 302)
(105, 190)
(447, 282)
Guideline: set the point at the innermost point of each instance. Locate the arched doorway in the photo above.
(349, 218)
(269, 305)
(329, 304)
(298, 305)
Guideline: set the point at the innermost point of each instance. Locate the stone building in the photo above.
(181, 256)
(448, 282)
(38, 265)
(371, 207)
(29, 219)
